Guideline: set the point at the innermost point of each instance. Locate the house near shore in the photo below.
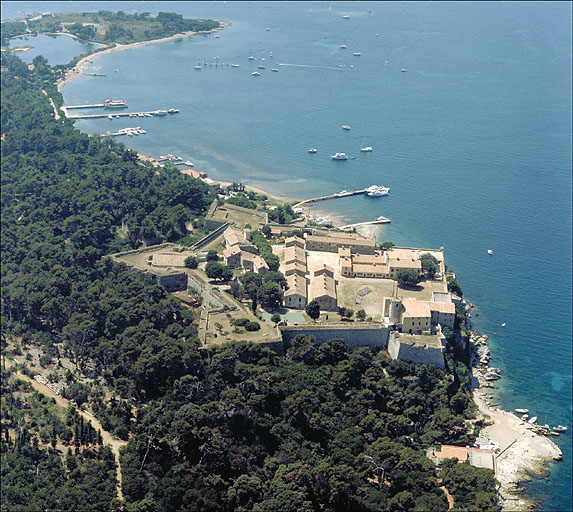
(477, 457)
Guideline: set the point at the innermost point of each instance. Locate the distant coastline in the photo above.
(80, 68)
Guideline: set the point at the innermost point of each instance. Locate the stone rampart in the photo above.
(362, 335)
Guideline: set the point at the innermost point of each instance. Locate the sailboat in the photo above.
(365, 149)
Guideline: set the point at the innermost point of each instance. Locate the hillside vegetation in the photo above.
(230, 428)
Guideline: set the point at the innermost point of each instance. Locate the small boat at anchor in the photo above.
(346, 127)
(490, 252)
(312, 150)
(522, 411)
(339, 156)
(256, 73)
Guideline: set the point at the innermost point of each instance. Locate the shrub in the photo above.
(252, 326)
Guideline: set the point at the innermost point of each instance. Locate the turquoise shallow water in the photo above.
(474, 141)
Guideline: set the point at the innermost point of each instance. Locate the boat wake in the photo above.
(310, 66)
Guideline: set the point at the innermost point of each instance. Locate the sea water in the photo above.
(474, 141)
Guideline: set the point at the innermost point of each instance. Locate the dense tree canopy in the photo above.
(232, 427)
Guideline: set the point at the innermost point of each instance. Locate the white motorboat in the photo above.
(256, 73)
(234, 65)
(346, 127)
(343, 46)
(346, 17)
(367, 149)
(251, 57)
(312, 150)
(404, 70)
(339, 156)
(524, 417)
(377, 191)
(275, 70)
(189, 163)
(533, 420)
(217, 36)
(357, 54)
(261, 67)
(197, 67)
(522, 411)
(490, 252)
(560, 428)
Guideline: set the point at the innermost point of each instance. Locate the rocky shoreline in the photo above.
(519, 450)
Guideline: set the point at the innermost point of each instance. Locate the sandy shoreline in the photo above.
(522, 452)
(80, 68)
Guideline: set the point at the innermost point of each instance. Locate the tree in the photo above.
(252, 282)
(275, 318)
(270, 295)
(430, 265)
(453, 286)
(266, 230)
(191, 262)
(313, 310)
(348, 313)
(274, 276)
(216, 270)
(387, 245)
(212, 255)
(361, 315)
(407, 277)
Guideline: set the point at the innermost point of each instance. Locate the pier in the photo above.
(331, 196)
(378, 220)
(111, 115)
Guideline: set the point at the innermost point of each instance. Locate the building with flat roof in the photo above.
(477, 457)
(418, 348)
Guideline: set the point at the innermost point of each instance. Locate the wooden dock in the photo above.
(97, 105)
(331, 196)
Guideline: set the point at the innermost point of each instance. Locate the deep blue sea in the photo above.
(474, 141)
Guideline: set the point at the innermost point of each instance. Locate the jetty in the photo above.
(331, 196)
(377, 220)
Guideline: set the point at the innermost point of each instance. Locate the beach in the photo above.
(80, 68)
(521, 452)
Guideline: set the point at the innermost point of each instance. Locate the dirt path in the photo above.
(115, 444)
(448, 497)
(56, 115)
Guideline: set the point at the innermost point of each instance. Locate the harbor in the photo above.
(113, 104)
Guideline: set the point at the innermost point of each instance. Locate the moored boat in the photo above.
(560, 428)
(312, 150)
(346, 127)
(533, 420)
(115, 103)
(339, 156)
(522, 411)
